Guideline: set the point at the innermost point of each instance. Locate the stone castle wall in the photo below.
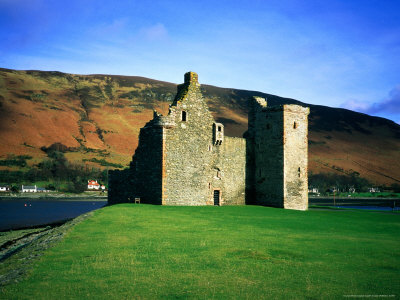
(185, 159)
(120, 186)
(146, 165)
(231, 160)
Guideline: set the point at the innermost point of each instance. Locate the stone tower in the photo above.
(277, 161)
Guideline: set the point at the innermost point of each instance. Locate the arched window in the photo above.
(184, 116)
(298, 171)
(294, 125)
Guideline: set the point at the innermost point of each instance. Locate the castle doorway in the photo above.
(217, 197)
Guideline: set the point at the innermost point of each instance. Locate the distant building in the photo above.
(93, 185)
(374, 190)
(29, 189)
(313, 190)
(352, 190)
(4, 188)
(103, 187)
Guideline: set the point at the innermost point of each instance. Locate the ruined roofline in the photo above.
(191, 82)
(191, 78)
(160, 121)
(288, 108)
(262, 103)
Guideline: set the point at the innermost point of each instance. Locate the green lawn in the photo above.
(247, 252)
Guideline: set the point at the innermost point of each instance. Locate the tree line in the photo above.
(325, 182)
(57, 171)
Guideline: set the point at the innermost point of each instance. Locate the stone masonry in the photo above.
(277, 145)
(185, 159)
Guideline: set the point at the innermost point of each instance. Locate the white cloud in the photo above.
(155, 32)
(390, 104)
(388, 107)
(356, 105)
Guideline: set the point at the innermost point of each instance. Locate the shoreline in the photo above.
(353, 198)
(50, 224)
(60, 197)
(18, 255)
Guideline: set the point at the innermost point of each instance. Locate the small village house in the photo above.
(29, 189)
(4, 188)
(93, 185)
(374, 190)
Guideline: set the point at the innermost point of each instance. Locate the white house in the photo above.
(93, 185)
(374, 190)
(4, 188)
(29, 189)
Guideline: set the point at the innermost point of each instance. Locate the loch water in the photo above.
(378, 204)
(24, 212)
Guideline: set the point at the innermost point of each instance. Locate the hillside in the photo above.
(97, 119)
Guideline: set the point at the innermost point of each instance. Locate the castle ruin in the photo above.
(184, 158)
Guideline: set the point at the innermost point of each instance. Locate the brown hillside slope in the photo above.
(99, 116)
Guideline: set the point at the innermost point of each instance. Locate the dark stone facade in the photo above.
(277, 147)
(185, 159)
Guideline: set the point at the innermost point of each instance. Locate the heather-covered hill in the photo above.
(96, 119)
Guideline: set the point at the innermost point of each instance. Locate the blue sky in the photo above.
(334, 53)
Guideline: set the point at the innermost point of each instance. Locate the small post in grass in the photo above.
(334, 201)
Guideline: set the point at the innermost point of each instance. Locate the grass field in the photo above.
(247, 252)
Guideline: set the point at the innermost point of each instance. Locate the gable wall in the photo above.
(187, 158)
